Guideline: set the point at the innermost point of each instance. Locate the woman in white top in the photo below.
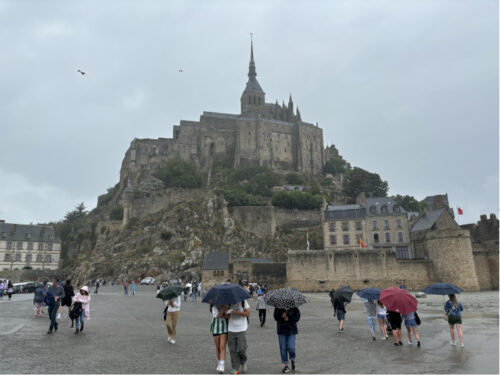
(381, 316)
(173, 308)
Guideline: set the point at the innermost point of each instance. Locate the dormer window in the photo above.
(28, 236)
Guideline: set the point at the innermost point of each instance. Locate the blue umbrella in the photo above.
(442, 289)
(225, 294)
(370, 294)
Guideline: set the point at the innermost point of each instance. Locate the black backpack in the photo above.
(76, 311)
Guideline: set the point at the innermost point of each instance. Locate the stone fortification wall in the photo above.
(486, 266)
(274, 274)
(320, 270)
(264, 220)
(451, 253)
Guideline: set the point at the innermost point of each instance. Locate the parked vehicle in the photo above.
(148, 281)
(30, 287)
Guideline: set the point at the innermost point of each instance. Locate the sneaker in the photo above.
(172, 341)
(220, 369)
(244, 367)
(81, 328)
(169, 338)
(384, 338)
(401, 343)
(293, 365)
(235, 372)
(396, 344)
(58, 316)
(418, 343)
(49, 332)
(453, 343)
(410, 342)
(55, 327)
(462, 345)
(285, 370)
(374, 338)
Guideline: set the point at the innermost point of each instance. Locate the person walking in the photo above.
(38, 299)
(56, 295)
(262, 308)
(371, 311)
(186, 292)
(382, 316)
(339, 311)
(66, 301)
(125, 288)
(97, 285)
(453, 310)
(83, 298)
(173, 308)
(286, 327)
(132, 288)
(395, 321)
(236, 339)
(218, 328)
(3, 285)
(10, 289)
(194, 291)
(411, 325)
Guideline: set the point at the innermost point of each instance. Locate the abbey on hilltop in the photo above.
(263, 134)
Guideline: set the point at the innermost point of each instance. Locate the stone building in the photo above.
(377, 222)
(219, 266)
(262, 134)
(437, 202)
(28, 247)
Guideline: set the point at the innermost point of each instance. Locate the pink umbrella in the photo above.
(399, 300)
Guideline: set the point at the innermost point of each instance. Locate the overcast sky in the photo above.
(407, 89)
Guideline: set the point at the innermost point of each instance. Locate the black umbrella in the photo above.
(225, 294)
(285, 298)
(344, 294)
(170, 292)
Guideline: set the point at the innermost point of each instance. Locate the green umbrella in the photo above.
(170, 292)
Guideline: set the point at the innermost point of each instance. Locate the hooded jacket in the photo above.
(287, 327)
(85, 300)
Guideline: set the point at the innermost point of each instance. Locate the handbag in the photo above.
(417, 319)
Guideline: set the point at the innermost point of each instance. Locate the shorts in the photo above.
(410, 322)
(394, 321)
(66, 302)
(380, 316)
(340, 315)
(453, 319)
(218, 334)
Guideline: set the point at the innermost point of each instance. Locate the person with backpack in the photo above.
(81, 311)
(66, 301)
(53, 299)
(262, 308)
(238, 314)
(286, 327)
(38, 299)
(453, 310)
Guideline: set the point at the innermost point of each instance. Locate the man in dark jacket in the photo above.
(287, 329)
(57, 292)
(339, 310)
(67, 300)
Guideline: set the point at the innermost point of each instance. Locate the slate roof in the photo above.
(351, 213)
(254, 260)
(253, 86)
(379, 202)
(427, 220)
(216, 260)
(343, 207)
(21, 232)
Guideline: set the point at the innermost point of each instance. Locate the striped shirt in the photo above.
(219, 325)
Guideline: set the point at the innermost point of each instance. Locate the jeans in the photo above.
(80, 319)
(125, 290)
(371, 323)
(237, 343)
(193, 297)
(53, 314)
(262, 316)
(1, 293)
(133, 291)
(287, 346)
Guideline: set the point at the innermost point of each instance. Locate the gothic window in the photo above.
(386, 224)
(19, 245)
(375, 225)
(375, 237)
(333, 239)
(373, 210)
(384, 209)
(345, 226)
(346, 239)
(400, 237)
(332, 227)
(400, 226)
(359, 225)
(387, 237)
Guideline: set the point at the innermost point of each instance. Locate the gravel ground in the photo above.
(126, 334)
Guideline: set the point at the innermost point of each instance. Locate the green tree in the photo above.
(358, 180)
(336, 165)
(409, 203)
(77, 214)
(294, 179)
(296, 199)
(180, 173)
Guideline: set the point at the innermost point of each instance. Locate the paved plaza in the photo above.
(127, 334)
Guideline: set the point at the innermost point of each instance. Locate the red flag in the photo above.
(362, 243)
(460, 212)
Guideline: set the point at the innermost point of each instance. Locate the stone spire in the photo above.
(252, 73)
(253, 98)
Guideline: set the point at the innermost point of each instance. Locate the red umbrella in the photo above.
(396, 299)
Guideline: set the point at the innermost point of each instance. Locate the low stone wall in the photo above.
(319, 270)
(19, 276)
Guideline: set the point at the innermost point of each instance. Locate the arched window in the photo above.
(384, 209)
(373, 210)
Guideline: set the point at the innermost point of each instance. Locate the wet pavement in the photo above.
(126, 334)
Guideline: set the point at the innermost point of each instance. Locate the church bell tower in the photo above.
(253, 98)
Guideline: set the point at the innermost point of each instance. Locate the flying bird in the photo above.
(82, 73)
(180, 70)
